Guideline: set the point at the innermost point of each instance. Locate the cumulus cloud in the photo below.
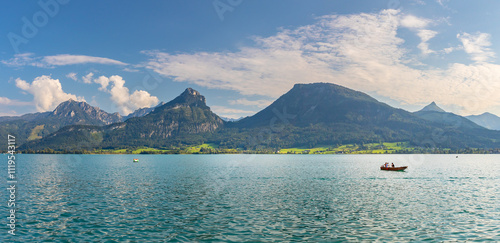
(360, 51)
(72, 76)
(47, 92)
(88, 78)
(477, 46)
(103, 81)
(29, 59)
(121, 97)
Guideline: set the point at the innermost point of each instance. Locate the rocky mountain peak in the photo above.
(189, 97)
(80, 112)
(432, 107)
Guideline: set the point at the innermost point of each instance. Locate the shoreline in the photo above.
(249, 153)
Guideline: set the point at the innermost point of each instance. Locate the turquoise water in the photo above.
(82, 198)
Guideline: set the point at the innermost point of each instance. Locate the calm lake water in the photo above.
(82, 198)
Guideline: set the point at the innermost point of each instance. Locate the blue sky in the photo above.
(241, 54)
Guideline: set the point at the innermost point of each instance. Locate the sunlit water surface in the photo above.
(82, 198)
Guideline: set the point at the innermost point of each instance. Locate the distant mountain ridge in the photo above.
(434, 113)
(142, 111)
(227, 119)
(486, 120)
(25, 117)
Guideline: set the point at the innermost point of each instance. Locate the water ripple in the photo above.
(270, 198)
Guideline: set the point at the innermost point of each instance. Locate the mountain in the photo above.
(35, 126)
(325, 103)
(184, 120)
(227, 119)
(433, 113)
(142, 111)
(186, 115)
(486, 120)
(432, 107)
(325, 113)
(74, 112)
(309, 115)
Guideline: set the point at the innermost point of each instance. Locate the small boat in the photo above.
(401, 168)
(136, 160)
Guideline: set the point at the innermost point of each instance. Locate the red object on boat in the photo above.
(401, 168)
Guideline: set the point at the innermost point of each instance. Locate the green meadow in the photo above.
(209, 148)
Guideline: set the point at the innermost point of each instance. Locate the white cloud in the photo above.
(67, 59)
(442, 2)
(29, 59)
(132, 70)
(47, 92)
(425, 35)
(360, 51)
(477, 46)
(4, 100)
(88, 78)
(258, 103)
(413, 22)
(449, 50)
(7, 101)
(103, 81)
(10, 113)
(24, 59)
(121, 97)
(230, 112)
(72, 76)
(419, 26)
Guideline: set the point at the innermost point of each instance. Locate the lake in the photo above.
(82, 198)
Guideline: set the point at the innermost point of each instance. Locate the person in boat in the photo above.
(386, 164)
(392, 165)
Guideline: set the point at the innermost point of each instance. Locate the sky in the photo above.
(242, 55)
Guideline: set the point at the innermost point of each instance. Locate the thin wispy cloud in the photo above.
(419, 25)
(29, 59)
(361, 51)
(10, 102)
(88, 78)
(66, 59)
(477, 46)
(257, 103)
(72, 75)
(230, 112)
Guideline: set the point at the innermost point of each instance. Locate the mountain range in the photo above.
(308, 115)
